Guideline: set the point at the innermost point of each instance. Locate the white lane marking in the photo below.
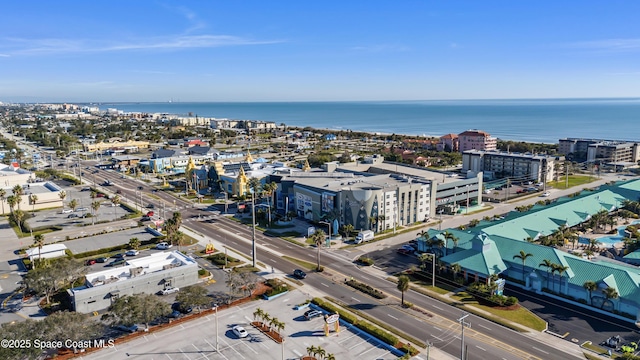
(482, 326)
(356, 299)
(323, 284)
(480, 348)
(540, 350)
(393, 317)
(437, 307)
(437, 328)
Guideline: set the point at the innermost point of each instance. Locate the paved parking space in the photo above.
(197, 339)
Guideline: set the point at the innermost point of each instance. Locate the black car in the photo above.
(118, 256)
(176, 306)
(140, 188)
(101, 260)
(151, 206)
(299, 274)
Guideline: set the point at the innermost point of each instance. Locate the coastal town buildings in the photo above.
(476, 140)
(448, 142)
(501, 164)
(609, 152)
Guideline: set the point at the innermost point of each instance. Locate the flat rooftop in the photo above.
(436, 176)
(139, 266)
(355, 182)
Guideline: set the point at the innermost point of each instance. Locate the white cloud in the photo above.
(5, 55)
(56, 46)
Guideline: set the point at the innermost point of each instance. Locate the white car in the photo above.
(168, 291)
(240, 331)
(545, 194)
(132, 252)
(163, 246)
(67, 211)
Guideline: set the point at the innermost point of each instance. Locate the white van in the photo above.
(363, 236)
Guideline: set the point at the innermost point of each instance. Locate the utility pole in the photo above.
(463, 324)
(428, 349)
(253, 234)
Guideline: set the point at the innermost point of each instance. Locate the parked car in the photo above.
(545, 194)
(118, 191)
(176, 306)
(168, 291)
(116, 262)
(312, 313)
(299, 274)
(118, 256)
(163, 246)
(145, 218)
(151, 206)
(240, 331)
(175, 314)
(132, 252)
(90, 262)
(403, 251)
(125, 328)
(100, 195)
(70, 216)
(82, 209)
(101, 260)
(67, 211)
(150, 214)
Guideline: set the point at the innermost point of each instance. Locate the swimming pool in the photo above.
(609, 241)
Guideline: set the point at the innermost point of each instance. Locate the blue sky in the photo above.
(80, 51)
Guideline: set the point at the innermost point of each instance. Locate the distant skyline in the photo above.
(155, 51)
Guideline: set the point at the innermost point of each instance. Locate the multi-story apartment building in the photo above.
(448, 142)
(498, 164)
(476, 140)
(614, 152)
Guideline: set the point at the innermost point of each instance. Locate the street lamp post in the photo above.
(253, 226)
(329, 227)
(463, 324)
(467, 199)
(440, 217)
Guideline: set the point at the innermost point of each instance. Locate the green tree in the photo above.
(18, 191)
(95, 206)
(590, 286)
(138, 308)
(560, 269)
(17, 216)
(134, 243)
(523, 257)
(194, 296)
(609, 293)
(403, 285)
(456, 268)
(73, 326)
(115, 201)
(73, 204)
(3, 197)
(348, 229)
(42, 280)
(318, 239)
(549, 265)
(33, 198)
(38, 241)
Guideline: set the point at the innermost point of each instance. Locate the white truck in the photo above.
(364, 236)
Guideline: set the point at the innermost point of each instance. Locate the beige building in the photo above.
(476, 140)
(130, 144)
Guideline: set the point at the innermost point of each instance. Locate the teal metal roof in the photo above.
(633, 255)
(482, 258)
(626, 279)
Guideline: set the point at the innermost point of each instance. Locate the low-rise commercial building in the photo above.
(148, 274)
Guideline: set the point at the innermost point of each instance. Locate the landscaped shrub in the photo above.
(219, 259)
(367, 261)
(277, 287)
(366, 289)
(511, 300)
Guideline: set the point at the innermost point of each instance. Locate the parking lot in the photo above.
(197, 339)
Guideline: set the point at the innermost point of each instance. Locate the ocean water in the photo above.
(544, 120)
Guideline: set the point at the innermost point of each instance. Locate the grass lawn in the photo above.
(304, 264)
(574, 180)
(520, 315)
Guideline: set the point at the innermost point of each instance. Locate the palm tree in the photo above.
(372, 221)
(330, 357)
(318, 238)
(609, 293)
(455, 268)
(320, 352)
(523, 257)
(590, 286)
(115, 201)
(95, 206)
(403, 285)
(593, 243)
(549, 265)
(348, 229)
(62, 195)
(134, 243)
(17, 192)
(12, 201)
(33, 198)
(423, 234)
(18, 216)
(258, 314)
(3, 196)
(266, 320)
(312, 350)
(560, 269)
(38, 241)
(73, 204)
